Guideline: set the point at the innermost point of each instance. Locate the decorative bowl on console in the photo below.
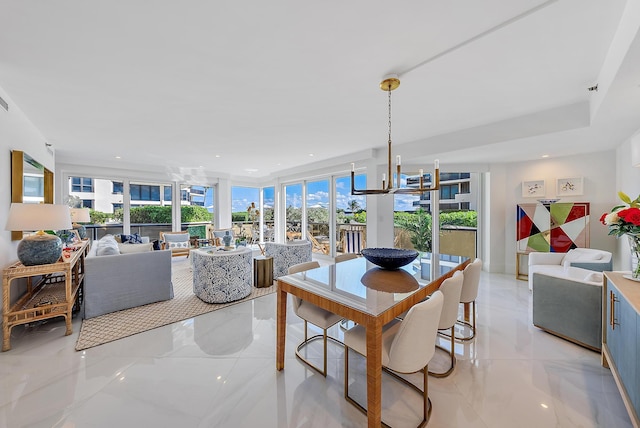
(389, 258)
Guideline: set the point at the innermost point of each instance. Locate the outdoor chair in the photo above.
(178, 242)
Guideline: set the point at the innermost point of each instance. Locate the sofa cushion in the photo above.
(176, 237)
(176, 240)
(107, 246)
(134, 248)
(583, 255)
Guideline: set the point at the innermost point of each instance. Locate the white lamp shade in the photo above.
(80, 215)
(27, 217)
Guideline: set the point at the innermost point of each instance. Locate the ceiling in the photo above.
(258, 89)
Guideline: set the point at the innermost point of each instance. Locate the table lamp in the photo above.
(80, 215)
(39, 248)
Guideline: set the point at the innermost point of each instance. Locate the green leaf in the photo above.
(624, 198)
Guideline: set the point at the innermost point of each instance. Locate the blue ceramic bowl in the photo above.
(389, 258)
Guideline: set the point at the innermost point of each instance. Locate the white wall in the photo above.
(16, 133)
(597, 170)
(627, 181)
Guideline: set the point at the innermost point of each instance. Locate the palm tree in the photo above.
(354, 205)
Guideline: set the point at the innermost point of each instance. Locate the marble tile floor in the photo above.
(218, 370)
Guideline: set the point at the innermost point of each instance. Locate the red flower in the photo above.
(630, 215)
(602, 218)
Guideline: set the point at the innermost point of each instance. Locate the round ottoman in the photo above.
(222, 276)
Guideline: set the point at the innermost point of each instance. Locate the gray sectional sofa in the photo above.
(122, 281)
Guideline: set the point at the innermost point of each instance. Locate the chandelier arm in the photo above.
(389, 84)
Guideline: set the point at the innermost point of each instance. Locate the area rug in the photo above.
(107, 328)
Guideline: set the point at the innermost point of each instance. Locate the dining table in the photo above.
(360, 291)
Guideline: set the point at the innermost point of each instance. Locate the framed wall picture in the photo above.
(569, 186)
(533, 189)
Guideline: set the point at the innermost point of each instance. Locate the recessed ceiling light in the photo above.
(251, 170)
(311, 154)
(545, 156)
(217, 156)
(118, 157)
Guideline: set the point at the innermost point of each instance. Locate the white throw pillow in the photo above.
(107, 246)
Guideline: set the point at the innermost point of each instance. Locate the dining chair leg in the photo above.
(426, 409)
(346, 372)
(324, 343)
(424, 392)
(452, 356)
(471, 325)
(325, 338)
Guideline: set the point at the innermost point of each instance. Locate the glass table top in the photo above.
(361, 285)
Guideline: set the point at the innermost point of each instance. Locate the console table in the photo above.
(53, 294)
(620, 333)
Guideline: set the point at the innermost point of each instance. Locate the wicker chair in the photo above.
(178, 242)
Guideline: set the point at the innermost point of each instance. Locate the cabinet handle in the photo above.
(612, 317)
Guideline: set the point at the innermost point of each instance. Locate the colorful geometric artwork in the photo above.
(556, 227)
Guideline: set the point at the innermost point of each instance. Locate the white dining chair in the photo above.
(315, 315)
(344, 257)
(451, 289)
(469, 294)
(407, 347)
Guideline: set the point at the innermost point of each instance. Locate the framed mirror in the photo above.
(30, 183)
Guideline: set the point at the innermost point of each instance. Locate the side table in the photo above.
(263, 271)
(54, 294)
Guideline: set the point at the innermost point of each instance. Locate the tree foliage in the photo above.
(153, 214)
(419, 225)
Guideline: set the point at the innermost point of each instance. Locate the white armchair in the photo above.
(557, 264)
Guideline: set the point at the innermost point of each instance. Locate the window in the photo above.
(245, 210)
(318, 215)
(117, 206)
(82, 184)
(87, 203)
(145, 192)
(117, 188)
(448, 191)
(268, 196)
(167, 193)
(33, 186)
(293, 213)
(351, 213)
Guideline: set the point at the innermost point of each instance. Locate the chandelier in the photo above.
(390, 83)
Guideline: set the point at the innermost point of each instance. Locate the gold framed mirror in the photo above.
(30, 182)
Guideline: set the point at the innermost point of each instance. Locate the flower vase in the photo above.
(634, 246)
